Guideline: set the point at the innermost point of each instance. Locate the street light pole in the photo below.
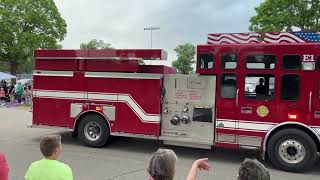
(151, 29)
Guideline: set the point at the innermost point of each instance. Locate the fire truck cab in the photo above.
(252, 94)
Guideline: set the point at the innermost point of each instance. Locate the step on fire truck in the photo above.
(252, 90)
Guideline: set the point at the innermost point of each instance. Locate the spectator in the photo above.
(2, 83)
(162, 165)
(19, 91)
(4, 86)
(28, 95)
(49, 167)
(4, 168)
(11, 92)
(201, 164)
(253, 170)
(2, 95)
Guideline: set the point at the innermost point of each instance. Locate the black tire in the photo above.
(285, 150)
(102, 129)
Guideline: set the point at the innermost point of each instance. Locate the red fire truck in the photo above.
(252, 90)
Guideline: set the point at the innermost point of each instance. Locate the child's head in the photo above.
(50, 146)
(253, 170)
(1, 89)
(162, 164)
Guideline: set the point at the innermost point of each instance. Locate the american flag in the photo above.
(275, 37)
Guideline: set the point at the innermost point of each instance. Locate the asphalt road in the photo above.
(122, 158)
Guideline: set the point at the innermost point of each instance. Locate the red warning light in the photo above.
(292, 116)
(99, 108)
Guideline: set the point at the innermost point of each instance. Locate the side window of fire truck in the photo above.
(259, 86)
(228, 86)
(206, 61)
(290, 87)
(261, 61)
(291, 62)
(318, 62)
(229, 61)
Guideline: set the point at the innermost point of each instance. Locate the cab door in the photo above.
(227, 88)
(296, 90)
(256, 109)
(256, 98)
(315, 97)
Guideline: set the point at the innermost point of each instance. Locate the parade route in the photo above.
(122, 158)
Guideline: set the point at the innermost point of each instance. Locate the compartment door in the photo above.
(188, 114)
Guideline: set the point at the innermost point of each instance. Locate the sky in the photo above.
(122, 22)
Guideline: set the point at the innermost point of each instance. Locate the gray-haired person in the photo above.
(253, 170)
(162, 166)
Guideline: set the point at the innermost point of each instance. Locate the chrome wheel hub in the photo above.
(92, 131)
(292, 151)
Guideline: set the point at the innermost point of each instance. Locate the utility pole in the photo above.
(151, 29)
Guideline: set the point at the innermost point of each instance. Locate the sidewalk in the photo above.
(15, 105)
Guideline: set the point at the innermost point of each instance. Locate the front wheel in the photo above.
(292, 150)
(93, 131)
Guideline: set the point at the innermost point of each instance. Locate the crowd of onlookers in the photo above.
(19, 93)
(162, 165)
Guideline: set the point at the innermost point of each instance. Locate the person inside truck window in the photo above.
(261, 88)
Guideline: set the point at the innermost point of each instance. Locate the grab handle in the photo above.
(237, 98)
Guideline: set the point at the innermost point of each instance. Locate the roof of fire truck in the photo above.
(106, 60)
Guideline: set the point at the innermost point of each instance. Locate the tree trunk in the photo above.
(13, 67)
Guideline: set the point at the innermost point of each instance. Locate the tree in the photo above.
(286, 15)
(96, 44)
(27, 25)
(186, 54)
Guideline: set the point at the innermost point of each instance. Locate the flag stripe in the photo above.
(283, 37)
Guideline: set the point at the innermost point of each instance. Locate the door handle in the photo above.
(293, 105)
(237, 98)
(310, 101)
(246, 110)
(317, 114)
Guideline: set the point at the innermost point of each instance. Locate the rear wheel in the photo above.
(93, 131)
(292, 150)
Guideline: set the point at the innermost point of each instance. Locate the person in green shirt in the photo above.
(19, 91)
(49, 168)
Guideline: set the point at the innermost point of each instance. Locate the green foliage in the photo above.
(27, 25)
(284, 15)
(4, 66)
(96, 44)
(186, 54)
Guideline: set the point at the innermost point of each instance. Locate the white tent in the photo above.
(5, 76)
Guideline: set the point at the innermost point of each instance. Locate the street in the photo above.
(122, 158)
